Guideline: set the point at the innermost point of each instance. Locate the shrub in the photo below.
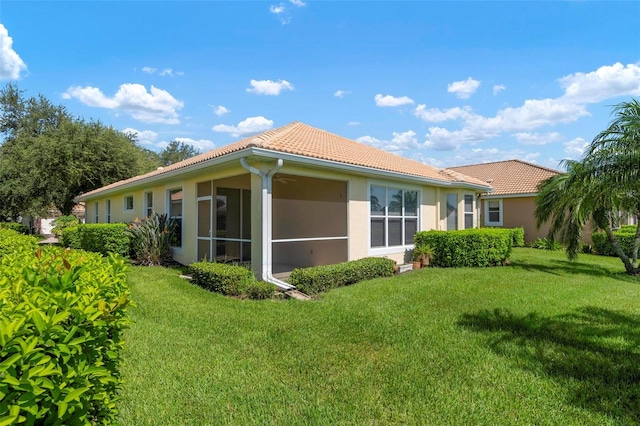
(625, 235)
(518, 237)
(14, 226)
(14, 242)
(101, 238)
(63, 222)
(546, 244)
(62, 314)
(261, 290)
(470, 247)
(151, 239)
(322, 278)
(230, 280)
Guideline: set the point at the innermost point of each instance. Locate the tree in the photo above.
(176, 152)
(49, 157)
(595, 189)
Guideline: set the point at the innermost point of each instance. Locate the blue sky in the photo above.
(446, 83)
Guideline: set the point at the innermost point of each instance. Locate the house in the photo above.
(295, 196)
(512, 202)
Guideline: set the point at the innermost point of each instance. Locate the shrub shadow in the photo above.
(594, 353)
(559, 267)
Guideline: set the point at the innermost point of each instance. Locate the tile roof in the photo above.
(509, 177)
(304, 140)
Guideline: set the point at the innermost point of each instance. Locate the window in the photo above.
(95, 212)
(452, 212)
(468, 211)
(175, 213)
(493, 212)
(108, 210)
(394, 216)
(148, 203)
(128, 202)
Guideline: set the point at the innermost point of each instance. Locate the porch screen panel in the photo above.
(204, 218)
(204, 249)
(452, 212)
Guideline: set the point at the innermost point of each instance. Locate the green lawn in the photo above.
(542, 341)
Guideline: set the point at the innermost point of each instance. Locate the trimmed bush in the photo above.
(62, 315)
(101, 238)
(14, 242)
(14, 226)
(478, 247)
(230, 280)
(625, 235)
(518, 237)
(322, 278)
(261, 290)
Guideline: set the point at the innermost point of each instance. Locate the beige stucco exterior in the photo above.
(316, 202)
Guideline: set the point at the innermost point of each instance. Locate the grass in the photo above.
(542, 341)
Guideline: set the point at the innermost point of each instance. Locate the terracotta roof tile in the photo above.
(509, 177)
(301, 139)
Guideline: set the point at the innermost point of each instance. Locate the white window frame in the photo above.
(148, 206)
(96, 212)
(107, 210)
(168, 205)
(471, 213)
(400, 248)
(125, 198)
(487, 222)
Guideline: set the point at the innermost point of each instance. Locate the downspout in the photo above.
(267, 225)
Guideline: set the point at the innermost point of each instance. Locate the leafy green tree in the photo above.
(49, 157)
(595, 189)
(176, 152)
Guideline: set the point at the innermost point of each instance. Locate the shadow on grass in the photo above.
(594, 353)
(559, 267)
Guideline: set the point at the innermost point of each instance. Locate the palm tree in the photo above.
(604, 182)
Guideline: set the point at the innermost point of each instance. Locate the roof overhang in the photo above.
(523, 195)
(258, 153)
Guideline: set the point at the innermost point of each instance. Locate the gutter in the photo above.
(267, 225)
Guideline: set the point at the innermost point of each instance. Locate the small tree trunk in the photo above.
(631, 270)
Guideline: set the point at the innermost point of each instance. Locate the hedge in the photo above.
(14, 226)
(14, 242)
(62, 315)
(317, 279)
(478, 247)
(517, 235)
(625, 235)
(230, 280)
(101, 238)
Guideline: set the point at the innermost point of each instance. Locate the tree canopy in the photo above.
(597, 188)
(48, 156)
(176, 152)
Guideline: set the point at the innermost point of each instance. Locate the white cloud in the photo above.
(220, 110)
(604, 83)
(149, 70)
(575, 148)
(144, 137)
(465, 88)
(341, 93)
(154, 106)
(268, 87)
(401, 141)
(201, 145)
(277, 9)
(353, 123)
(526, 138)
(11, 65)
(436, 115)
(391, 101)
(167, 71)
(497, 88)
(248, 126)
(487, 155)
(298, 3)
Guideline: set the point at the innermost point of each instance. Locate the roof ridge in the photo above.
(508, 161)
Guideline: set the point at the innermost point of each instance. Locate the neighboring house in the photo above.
(44, 225)
(295, 196)
(512, 202)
